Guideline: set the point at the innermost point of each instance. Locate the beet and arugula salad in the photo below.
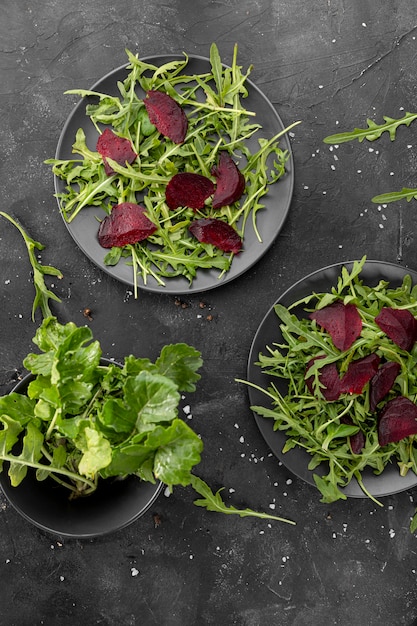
(348, 362)
(174, 174)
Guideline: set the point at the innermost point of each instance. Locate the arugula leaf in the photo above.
(180, 363)
(394, 196)
(373, 131)
(213, 502)
(42, 293)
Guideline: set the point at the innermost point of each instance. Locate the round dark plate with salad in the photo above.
(297, 459)
(269, 220)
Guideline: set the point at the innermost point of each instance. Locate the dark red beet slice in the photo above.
(167, 115)
(218, 233)
(399, 325)
(116, 148)
(188, 189)
(398, 419)
(230, 182)
(359, 373)
(382, 382)
(342, 322)
(126, 224)
(329, 377)
(356, 441)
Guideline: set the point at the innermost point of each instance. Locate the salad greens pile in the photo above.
(373, 132)
(82, 419)
(317, 425)
(217, 121)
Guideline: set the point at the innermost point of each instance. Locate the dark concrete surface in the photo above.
(330, 64)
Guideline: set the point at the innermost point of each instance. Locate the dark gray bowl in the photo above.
(114, 505)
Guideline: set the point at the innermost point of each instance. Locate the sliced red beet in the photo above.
(398, 419)
(167, 115)
(218, 233)
(356, 441)
(188, 190)
(381, 384)
(399, 325)
(341, 321)
(116, 148)
(328, 377)
(359, 372)
(230, 182)
(126, 224)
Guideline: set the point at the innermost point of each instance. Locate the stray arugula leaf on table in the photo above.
(373, 132)
(42, 293)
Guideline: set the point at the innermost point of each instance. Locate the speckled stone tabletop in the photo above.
(332, 65)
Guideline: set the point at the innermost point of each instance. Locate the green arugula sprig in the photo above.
(316, 425)
(42, 293)
(213, 502)
(371, 133)
(217, 120)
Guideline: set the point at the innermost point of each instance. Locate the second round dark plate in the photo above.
(270, 220)
(268, 333)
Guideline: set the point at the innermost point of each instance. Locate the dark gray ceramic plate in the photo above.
(269, 221)
(297, 460)
(115, 504)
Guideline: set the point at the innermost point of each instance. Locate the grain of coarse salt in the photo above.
(134, 571)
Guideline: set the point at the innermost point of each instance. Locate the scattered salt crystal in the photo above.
(261, 532)
(391, 533)
(272, 505)
(289, 481)
(62, 578)
(364, 24)
(332, 167)
(320, 86)
(7, 282)
(187, 409)
(284, 559)
(242, 439)
(167, 492)
(191, 556)
(334, 535)
(231, 490)
(7, 561)
(134, 571)
(236, 425)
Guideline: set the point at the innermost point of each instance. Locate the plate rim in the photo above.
(265, 426)
(215, 281)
